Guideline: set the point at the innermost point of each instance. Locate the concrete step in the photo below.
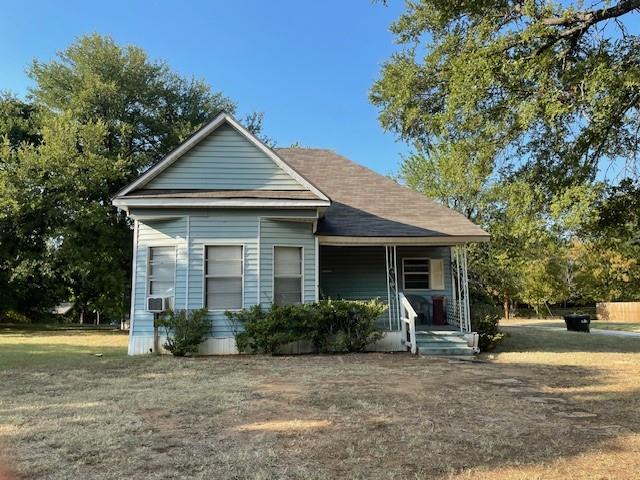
(442, 342)
(431, 339)
(446, 351)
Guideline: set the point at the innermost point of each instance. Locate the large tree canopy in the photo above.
(516, 110)
(97, 116)
(552, 85)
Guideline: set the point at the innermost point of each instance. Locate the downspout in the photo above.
(134, 278)
(186, 299)
(259, 301)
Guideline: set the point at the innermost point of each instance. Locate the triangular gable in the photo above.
(222, 155)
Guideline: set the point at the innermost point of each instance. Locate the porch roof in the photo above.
(367, 204)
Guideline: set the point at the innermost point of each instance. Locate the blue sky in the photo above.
(307, 65)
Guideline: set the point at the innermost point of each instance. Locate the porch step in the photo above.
(449, 343)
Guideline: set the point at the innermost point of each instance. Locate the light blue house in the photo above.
(224, 222)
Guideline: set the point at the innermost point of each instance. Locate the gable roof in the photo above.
(202, 134)
(362, 204)
(367, 204)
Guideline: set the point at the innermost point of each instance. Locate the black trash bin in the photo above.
(577, 322)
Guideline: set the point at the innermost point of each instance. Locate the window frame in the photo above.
(273, 270)
(404, 273)
(148, 269)
(205, 275)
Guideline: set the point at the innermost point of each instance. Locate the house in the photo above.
(224, 222)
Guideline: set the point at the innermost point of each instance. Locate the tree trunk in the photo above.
(505, 306)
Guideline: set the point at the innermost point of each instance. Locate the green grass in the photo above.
(623, 327)
(519, 412)
(59, 346)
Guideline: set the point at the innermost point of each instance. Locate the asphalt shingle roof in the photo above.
(367, 204)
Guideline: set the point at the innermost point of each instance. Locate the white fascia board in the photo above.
(215, 202)
(381, 241)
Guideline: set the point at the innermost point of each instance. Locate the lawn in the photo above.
(602, 325)
(545, 405)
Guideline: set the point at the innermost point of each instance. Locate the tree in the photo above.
(99, 115)
(511, 109)
(549, 85)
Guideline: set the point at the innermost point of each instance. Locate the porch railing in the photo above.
(408, 324)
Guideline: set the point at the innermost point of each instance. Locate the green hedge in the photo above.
(328, 325)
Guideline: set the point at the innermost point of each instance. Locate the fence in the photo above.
(618, 311)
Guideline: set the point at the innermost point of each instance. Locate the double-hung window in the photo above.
(422, 274)
(223, 272)
(287, 275)
(161, 271)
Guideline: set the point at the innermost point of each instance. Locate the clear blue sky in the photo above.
(308, 65)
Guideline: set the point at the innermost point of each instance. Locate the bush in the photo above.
(185, 330)
(484, 321)
(328, 325)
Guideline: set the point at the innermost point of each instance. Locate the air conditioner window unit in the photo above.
(158, 304)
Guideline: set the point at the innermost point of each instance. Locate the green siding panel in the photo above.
(225, 160)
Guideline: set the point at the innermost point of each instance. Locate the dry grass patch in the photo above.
(541, 407)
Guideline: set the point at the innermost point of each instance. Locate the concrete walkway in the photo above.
(596, 331)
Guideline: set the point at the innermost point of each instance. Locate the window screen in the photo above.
(416, 273)
(161, 271)
(224, 266)
(287, 275)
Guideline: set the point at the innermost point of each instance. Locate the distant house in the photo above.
(224, 222)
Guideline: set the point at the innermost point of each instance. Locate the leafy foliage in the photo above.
(185, 330)
(482, 82)
(484, 321)
(512, 109)
(329, 325)
(98, 115)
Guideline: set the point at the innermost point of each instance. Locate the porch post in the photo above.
(386, 272)
(465, 283)
(460, 308)
(395, 272)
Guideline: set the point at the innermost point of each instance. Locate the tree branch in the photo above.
(588, 18)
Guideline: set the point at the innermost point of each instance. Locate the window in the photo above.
(423, 273)
(223, 275)
(287, 275)
(415, 273)
(161, 271)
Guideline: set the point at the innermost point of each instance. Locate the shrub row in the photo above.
(328, 325)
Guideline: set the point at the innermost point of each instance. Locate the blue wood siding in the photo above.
(353, 273)
(286, 233)
(170, 232)
(225, 160)
(218, 227)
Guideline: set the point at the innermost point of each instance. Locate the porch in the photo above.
(424, 286)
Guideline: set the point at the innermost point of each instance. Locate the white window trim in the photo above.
(170, 244)
(428, 260)
(204, 273)
(273, 270)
